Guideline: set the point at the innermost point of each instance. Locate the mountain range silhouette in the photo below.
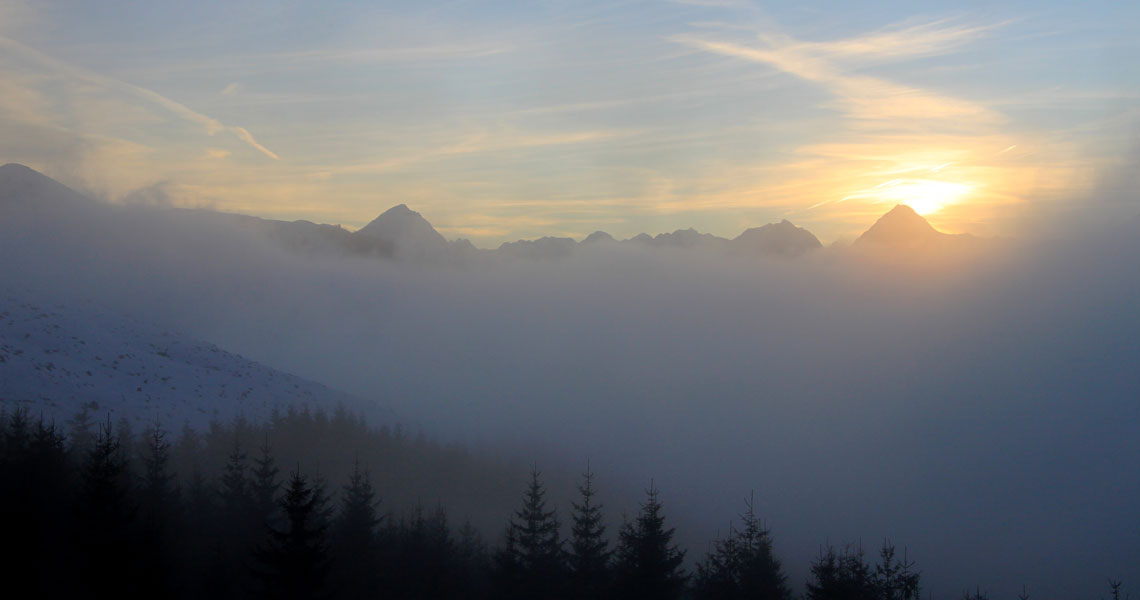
(404, 234)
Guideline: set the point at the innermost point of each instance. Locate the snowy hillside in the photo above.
(56, 358)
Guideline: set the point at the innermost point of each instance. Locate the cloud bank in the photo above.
(978, 409)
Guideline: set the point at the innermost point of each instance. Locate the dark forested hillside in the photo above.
(301, 507)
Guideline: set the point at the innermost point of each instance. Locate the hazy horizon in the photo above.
(962, 380)
(949, 399)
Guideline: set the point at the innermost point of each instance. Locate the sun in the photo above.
(925, 196)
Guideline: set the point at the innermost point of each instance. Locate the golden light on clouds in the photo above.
(719, 117)
(925, 196)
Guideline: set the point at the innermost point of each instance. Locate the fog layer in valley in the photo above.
(976, 405)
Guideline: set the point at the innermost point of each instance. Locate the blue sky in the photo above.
(501, 121)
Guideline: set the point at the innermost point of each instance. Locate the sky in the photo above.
(499, 121)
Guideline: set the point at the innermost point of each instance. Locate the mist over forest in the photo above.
(975, 403)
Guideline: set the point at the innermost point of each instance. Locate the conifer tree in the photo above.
(841, 576)
(716, 576)
(743, 565)
(158, 489)
(34, 490)
(895, 579)
(589, 557)
(159, 507)
(201, 544)
(648, 564)
(761, 574)
(423, 557)
(531, 563)
(80, 433)
(355, 548)
(264, 485)
(17, 434)
(237, 529)
(295, 560)
(472, 562)
(235, 488)
(105, 516)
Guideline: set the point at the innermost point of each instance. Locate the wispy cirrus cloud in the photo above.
(903, 41)
(888, 131)
(399, 53)
(211, 125)
(479, 143)
(830, 64)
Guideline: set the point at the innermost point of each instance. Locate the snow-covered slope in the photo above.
(55, 359)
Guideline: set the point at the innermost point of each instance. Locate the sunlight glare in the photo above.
(925, 196)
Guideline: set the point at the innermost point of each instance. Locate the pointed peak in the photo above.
(399, 209)
(903, 214)
(398, 213)
(407, 230)
(902, 209)
(900, 226)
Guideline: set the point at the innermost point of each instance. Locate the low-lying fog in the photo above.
(982, 410)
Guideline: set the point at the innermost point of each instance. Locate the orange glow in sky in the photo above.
(925, 196)
(552, 121)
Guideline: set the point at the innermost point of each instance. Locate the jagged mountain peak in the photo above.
(400, 215)
(407, 231)
(900, 226)
(400, 209)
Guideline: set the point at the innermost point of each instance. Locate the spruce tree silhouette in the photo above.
(234, 486)
(473, 564)
(80, 432)
(47, 480)
(589, 557)
(531, 564)
(263, 486)
(238, 531)
(423, 557)
(895, 579)
(355, 545)
(35, 492)
(841, 575)
(295, 560)
(158, 488)
(743, 565)
(104, 518)
(648, 564)
(159, 507)
(18, 491)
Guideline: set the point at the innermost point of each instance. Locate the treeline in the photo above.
(100, 512)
